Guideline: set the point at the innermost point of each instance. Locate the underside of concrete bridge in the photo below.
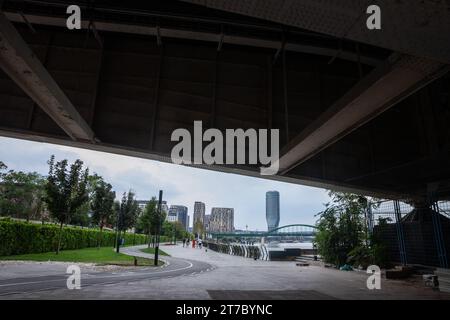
(358, 110)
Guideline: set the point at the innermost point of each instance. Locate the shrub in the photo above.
(365, 256)
(360, 256)
(23, 238)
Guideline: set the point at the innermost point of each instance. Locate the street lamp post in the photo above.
(158, 229)
(174, 234)
(117, 230)
(119, 217)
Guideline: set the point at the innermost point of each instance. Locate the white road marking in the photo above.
(31, 282)
(113, 275)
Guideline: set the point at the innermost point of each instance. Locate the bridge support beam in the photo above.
(394, 80)
(25, 69)
(203, 36)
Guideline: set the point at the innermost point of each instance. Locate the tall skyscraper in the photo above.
(272, 209)
(178, 213)
(199, 212)
(206, 221)
(221, 220)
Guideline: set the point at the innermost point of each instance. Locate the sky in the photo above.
(181, 185)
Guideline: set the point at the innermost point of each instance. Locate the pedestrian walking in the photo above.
(184, 242)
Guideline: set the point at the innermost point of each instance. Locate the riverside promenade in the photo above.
(213, 275)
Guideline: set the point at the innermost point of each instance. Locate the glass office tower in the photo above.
(272, 209)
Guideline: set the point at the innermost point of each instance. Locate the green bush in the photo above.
(22, 238)
(365, 256)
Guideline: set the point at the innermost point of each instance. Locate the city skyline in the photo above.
(181, 185)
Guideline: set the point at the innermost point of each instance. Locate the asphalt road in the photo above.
(173, 267)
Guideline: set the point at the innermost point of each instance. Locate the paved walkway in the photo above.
(36, 280)
(240, 278)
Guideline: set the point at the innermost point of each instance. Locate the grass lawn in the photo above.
(102, 256)
(152, 251)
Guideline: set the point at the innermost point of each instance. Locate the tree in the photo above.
(151, 221)
(102, 205)
(130, 211)
(174, 229)
(126, 212)
(2, 188)
(21, 194)
(66, 190)
(341, 227)
(198, 228)
(81, 216)
(148, 219)
(3, 166)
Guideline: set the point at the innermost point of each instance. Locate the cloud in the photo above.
(181, 185)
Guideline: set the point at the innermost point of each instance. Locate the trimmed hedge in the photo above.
(23, 238)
